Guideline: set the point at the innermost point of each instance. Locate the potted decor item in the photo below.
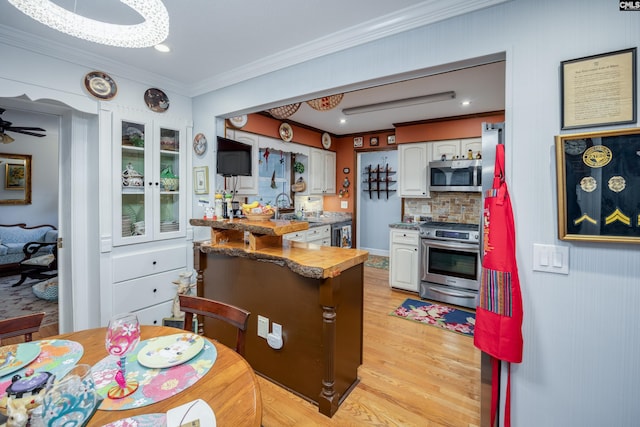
(168, 180)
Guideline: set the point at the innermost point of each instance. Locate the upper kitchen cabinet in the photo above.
(456, 148)
(322, 171)
(245, 185)
(150, 179)
(413, 167)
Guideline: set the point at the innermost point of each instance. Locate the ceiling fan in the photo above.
(5, 126)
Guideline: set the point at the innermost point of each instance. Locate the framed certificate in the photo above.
(599, 90)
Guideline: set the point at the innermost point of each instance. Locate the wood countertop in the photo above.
(272, 227)
(305, 259)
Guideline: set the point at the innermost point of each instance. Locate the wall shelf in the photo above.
(379, 179)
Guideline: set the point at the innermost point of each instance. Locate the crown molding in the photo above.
(422, 14)
(425, 13)
(40, 45)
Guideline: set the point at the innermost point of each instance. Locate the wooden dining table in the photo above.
(230, 387)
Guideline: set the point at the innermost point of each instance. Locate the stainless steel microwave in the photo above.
(455, 175)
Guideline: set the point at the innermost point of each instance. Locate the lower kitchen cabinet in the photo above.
(316, 235)
(404, 259)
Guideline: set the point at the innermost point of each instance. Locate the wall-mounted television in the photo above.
(233, 158)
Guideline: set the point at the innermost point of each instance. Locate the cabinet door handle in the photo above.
(155, 262)
(155, 290)
(155, 322)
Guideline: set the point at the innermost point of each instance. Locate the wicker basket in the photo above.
(169, 184)
(284, 111)
(258, 217)
(47, 290)
(326, 102)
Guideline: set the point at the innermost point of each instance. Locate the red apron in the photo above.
(498, 328)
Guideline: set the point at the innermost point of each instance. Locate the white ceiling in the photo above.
(216, 43)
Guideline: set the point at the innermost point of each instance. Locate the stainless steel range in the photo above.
(450, 263)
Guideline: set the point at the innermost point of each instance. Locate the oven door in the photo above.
(449, 263)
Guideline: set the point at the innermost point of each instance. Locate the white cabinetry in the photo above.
(404, 259)
(413, 169)
(316, 235)
(143, 282)
(143, 229)
(245, 185)
(322, 171)
(150, 180)
(455, 148)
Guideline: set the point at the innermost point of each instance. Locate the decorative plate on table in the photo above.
(156, 100)
(170, 350)
(238, 121)
(17, 356)
(286, 133)
(100, 85)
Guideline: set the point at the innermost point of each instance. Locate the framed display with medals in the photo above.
(598, 182)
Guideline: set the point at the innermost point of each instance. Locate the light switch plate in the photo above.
(551, 258)
(344, 204)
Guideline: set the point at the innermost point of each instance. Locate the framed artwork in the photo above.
(391, 139)
(373, 141)
(15, 176)
(357, 141)
(201, 179)
(599, 90)
(598, 184)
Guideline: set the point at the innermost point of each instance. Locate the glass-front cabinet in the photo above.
(150, 166)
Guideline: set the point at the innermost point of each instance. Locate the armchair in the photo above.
(39, 267)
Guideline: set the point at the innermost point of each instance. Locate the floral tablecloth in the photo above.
(154, 384)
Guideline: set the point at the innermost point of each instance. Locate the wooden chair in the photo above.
(218, 310)
(22, 325)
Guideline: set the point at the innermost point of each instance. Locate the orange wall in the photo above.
(451, 129)
(469, 127)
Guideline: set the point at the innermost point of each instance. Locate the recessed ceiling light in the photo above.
(162, 48)
(465, 103)
(343, 121)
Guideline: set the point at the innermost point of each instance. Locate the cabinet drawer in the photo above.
(318, 232)
(132, 265)
(133, 295)
(407, 237)
(153, 315)
(297, 236)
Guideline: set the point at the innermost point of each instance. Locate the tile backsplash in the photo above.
(447, 206)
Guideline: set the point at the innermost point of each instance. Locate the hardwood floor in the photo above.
(412, 374)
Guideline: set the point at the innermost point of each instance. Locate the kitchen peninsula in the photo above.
(314, 292)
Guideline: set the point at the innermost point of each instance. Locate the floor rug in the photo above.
(442, 316)
(21, 300)
(377, 261)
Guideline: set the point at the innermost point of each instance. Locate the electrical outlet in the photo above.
(263, 326)
(344, 204)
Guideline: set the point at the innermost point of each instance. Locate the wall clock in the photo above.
(326, 140)
(199, 144)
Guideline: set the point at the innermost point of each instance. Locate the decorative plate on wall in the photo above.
(200, 144)
(156, 100)
(100, 85)
(326, 140)
(286, 133)
(238, 121)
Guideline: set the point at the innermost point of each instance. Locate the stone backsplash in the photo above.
(447, 206)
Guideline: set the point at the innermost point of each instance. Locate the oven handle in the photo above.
(451, 294)
(452, 245)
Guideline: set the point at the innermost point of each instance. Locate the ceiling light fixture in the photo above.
(152, 31)
(406, 102)
(5, 139)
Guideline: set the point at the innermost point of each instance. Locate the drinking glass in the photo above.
(123, 335)
(68, 402)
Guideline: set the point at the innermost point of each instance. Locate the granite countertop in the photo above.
(405, 225)
(304, 259)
